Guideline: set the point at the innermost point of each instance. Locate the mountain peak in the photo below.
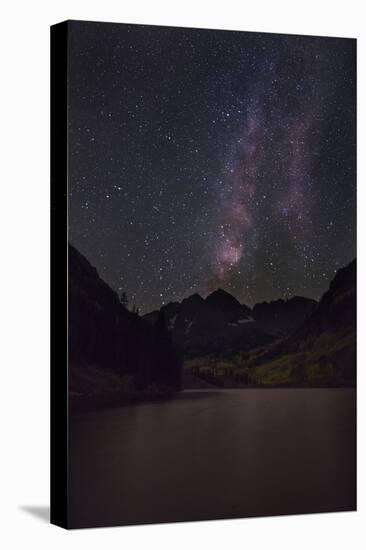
(193, 299)
(223, 301)
(220, 295)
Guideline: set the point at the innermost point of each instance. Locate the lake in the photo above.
(215, 454)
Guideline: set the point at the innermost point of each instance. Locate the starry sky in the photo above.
(201, 159)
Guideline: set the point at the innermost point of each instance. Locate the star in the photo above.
(230, 162)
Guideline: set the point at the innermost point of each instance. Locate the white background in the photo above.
(24, 272)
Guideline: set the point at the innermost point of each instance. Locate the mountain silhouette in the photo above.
(221, 324)
(225, 303)
(281, 317)
(323, 348)
(103, 334)
(284, 342)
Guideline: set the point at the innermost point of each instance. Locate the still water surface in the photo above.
(214, 454)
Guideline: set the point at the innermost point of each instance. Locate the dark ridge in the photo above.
(104, 334)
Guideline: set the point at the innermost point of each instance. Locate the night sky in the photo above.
(203, 159)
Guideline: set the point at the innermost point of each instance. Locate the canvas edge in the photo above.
(59, 292)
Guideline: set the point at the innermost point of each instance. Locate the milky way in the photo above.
(201, 159)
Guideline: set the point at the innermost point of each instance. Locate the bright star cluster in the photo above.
(203, 158)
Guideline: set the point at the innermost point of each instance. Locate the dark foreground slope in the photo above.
(323, 349)
(111, 349)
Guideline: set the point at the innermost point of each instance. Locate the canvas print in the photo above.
(211, 195)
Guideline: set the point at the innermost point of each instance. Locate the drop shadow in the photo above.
(40, 512)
